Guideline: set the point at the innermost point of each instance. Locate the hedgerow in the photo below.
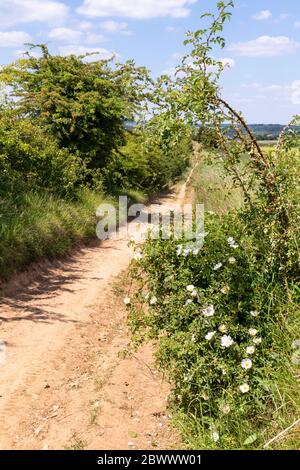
(225, 318)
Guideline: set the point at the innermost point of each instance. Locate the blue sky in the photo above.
(263, 42)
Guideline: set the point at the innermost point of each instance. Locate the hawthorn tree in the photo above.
(83, 103)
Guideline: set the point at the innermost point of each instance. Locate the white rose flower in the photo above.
(244, 388)
(252, 332)
(153, 300)
(138, 256)
(194, 293)
(250, 349)
(222, 329)
(232, 260)
(210, 335)
(254, 313)
(190, 288)
(257, 341)
(209, 311)
(217, 266)
(215, 436)
(226, 341)
(246, 364)
(179, 250)
(232, 243)
(214, 433)
(186, 252)
(225, 290)
(127, 301)
(188, 302)
(225, 409)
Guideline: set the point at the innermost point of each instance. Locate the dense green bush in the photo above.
(144, 165)
(83, 104)
(30, 158)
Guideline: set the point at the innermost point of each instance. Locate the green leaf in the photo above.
(250, 439)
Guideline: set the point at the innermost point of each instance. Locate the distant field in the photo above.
(267, 143)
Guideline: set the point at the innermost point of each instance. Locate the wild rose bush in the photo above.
(213, 315)
(222, 317)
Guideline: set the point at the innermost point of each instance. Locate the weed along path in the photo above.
(64, 382)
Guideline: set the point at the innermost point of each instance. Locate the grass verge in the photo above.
(35, 225)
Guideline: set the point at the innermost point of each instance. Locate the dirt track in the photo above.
(64, 383)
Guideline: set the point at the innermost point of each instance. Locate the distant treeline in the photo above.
(270, 131)
(267, 131)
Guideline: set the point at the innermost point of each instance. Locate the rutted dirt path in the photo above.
(64, 383)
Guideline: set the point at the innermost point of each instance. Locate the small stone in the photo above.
(38, 430)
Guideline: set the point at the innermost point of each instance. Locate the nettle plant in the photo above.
(215, 312)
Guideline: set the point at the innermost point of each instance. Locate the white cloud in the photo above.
(13, 38)
(94, 38)
(24, 52)
(297, 24)
(98, 52)
(170, 29)
(75, 36)
(65, 34)
(283, 16)
(26, 11)
(114, 26)
(295, 92)
(85, 25)
(251, 85)
(227, 62)
(275, 92)
(138, 9)
(265, 46)
(263, 15)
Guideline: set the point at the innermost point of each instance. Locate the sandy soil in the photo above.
(65, 383)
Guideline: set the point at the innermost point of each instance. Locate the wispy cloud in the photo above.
(277, 92)
(65, 34)
(295, 92)
(263, 15)
(265, 46)
(283, 16)
(98, 52)
(13, 38)
(13, 12)
(138, 9)
(115, 27)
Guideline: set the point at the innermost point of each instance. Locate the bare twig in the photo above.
(282, 135)
(247, 129)
(233, 168)
(282, 433)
